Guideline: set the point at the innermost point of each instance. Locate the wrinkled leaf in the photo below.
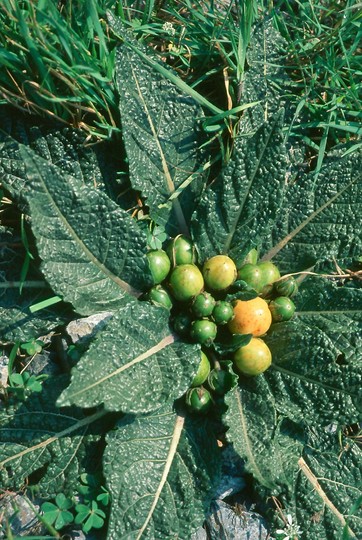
(265, 80)
(320, 217)
(160, 471)
(271, 448)
(238, 211)
(36, 437)
(327, 487)
(65, 147)
(92, 251)
(316, 374)
(162, 139)
(134, 365)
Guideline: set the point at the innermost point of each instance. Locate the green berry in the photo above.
(203, 331)
(203, 304)
(186, 281)
(269, 273)
(282, 309)
(181, 250)
(286, 286)
(252, 275)
(182, 324)
(202, 372)
(198, 400)
(219, 272)
(159, 264)
(158, 296)
(223, 312)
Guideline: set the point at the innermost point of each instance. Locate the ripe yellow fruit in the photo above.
(250, 317)
(253, 358)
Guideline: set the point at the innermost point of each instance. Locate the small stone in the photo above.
(81, 330)
(200, 534)
(17, 512)
(233, 523)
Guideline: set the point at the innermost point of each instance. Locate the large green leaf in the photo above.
(37, 438)
(337, 312)
(93, 252)
(65, 147)
(265, 81)
(160, 470)
(134, 365)
(16, 320)
(320, 217)
(316, 374)
(315, 379)
(327, 488)
(270, 447)
(162, 138)
(238, 211)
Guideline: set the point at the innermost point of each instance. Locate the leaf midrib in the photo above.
(282, 243)
(230, 236)
(249, 451)
(118, 281)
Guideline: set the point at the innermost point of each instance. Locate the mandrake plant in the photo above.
(161, 464)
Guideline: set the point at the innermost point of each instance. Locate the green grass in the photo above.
(59, 62)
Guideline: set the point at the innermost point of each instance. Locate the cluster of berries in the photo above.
(245, 297)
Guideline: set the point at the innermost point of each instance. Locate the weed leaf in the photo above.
(135, 364)
(161, 135)
(160, 470)
(238, 211)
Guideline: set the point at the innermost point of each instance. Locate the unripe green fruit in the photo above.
(158, 296)
(202, 372)
(159, 264)
(251, 258)
(269, 273)
(203, 331)
(182, 324)
(219, 272)
(252, 275)
(198, 400)
(181, 250)
(186, 281)
(254, 358)
(203, 304)
(282, 308)
(223, 312)
(286, 287)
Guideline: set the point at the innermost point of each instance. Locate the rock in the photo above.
(82, 330)
(18, 513)
(232, 474)
(200, 534)
(235, 523)
(44, 364)
(4, 362)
